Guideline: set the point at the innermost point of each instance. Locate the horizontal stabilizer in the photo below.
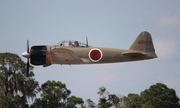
(133, 54)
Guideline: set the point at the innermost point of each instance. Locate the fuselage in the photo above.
(81, 55)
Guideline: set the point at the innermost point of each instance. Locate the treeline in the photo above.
(16, 88)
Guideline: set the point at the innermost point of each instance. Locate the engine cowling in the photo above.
(38, 55)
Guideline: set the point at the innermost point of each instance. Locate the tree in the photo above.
(115, 100)
(159, 96)
(103, 100)
(13, 80)
(56, 95)
(132, 101)
(12, 102)
(102, 92)
(90, 103)
(73, 101)
(39, 103)
(104, 103)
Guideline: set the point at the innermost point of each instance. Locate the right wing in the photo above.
(63, 56)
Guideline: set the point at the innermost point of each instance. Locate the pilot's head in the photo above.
(70, 43)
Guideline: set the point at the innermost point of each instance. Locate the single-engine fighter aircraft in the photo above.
(74, 52)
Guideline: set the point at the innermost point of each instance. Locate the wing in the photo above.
(63, 56)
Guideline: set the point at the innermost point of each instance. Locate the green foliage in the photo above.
(90, 103)
(108, 100)
(102, 91)
(38, 103)
(13, 81)
(103, 101)
(13, 102)
(16, 88)
(159, 96)
(132, 101)
(56, 95)
(114, 99)
(73, 100)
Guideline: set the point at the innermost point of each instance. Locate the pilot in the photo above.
(70, 43)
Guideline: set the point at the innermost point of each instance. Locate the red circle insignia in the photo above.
(95, 54)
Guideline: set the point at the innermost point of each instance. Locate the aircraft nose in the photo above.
(25, 54)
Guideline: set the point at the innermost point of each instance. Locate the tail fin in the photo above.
(143, 43)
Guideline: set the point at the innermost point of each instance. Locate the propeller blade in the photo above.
(27, 46)
(86, 41)
(27, 67)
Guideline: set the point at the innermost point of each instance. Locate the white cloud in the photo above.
(165, 48)
(170, 21)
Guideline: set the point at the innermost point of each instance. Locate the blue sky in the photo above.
(113, 24)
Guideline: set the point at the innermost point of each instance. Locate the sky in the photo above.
(113, 24)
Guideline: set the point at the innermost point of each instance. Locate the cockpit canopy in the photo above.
(72, 43)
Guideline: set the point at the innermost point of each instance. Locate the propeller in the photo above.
(86, 41)
(27, 55)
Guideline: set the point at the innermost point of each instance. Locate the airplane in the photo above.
(73, 52)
